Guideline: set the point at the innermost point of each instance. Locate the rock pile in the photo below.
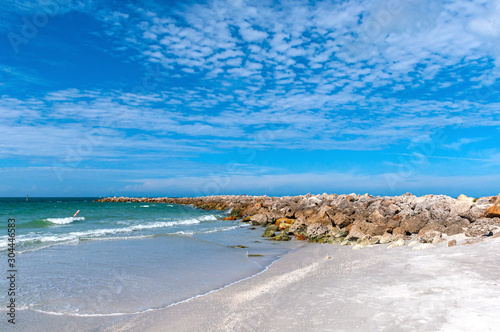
(353, 219)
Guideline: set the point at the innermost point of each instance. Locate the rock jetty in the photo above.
(353, 219)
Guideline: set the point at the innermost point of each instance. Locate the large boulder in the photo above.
(454, 229)
(259, 219)
(414, 223)
(341, 220)
(494, 211)
(370, 228)
(355, 233)
(317, 230)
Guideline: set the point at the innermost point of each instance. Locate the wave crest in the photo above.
(62, 221)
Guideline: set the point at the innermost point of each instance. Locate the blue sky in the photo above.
(150, 98)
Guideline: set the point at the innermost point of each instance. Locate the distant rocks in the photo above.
(352, 219)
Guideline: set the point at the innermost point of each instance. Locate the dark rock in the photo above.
(270, 231)
(281, 237)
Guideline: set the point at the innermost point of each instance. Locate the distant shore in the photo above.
(359, 220)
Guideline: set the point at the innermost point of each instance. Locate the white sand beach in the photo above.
(374, 289)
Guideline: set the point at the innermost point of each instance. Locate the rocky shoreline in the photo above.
(352, 219)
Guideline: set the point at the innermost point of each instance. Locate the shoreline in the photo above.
(353, 291)
(166, 306)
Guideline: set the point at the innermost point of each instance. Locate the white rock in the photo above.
(358, 246)
(397, 243)
(423, 246)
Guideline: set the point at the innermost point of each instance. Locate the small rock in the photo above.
(346, 242)
(300, 237)
(386, 238)
(423, 246)
(451, 243)
(337, 233)
(230, 218)
(395, 244)
(358, 246)
(368, 240)
(328, 257)
(281, 237)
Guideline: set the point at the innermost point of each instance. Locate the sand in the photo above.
(335, 288)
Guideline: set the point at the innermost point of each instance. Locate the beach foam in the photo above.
(33, 238)
(62, 221)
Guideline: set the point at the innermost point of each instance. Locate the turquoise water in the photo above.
(118, 258)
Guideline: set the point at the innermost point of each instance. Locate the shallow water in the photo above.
(117, 258)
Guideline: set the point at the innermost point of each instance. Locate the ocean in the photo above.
(122, 258)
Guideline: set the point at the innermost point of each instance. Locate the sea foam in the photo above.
(62, 221)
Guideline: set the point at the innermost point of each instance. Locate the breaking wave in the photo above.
(62, 221)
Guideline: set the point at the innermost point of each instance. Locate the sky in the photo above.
(175, 98)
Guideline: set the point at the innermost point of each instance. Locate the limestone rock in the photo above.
(431, 237)
(342, 220)
(493, 211)
(398, 231)
(284, 223)
(386, 238)
(259, 219)
(354, 234)
(337, 233)
(317, 230)
(414, 223)
(368, 240)
(454, 229)
(395, 244)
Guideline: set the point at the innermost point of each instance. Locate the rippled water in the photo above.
(116, 258)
